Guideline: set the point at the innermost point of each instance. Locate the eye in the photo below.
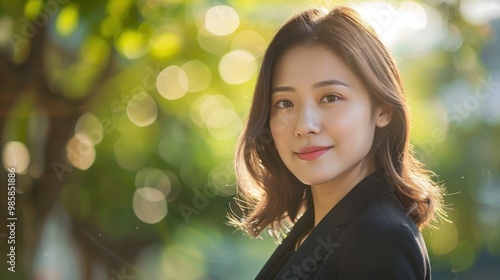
(329, 99)
(283, 104)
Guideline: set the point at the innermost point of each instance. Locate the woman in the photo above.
(326, 151)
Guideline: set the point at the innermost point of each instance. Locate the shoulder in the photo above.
(384, 242)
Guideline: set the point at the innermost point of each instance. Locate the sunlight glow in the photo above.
(165, 44)
(131, 44)
(222, 20)
(396, 24)
(480, 11)
(142, 109)
(172, 83)
(198, 74)
(194, 111)
(89, 126)
(206, 105)
(224, 124)
(237, 67)
(16, 155)
(217, 114)
(32, 8)
(443, 240)
(67, 20)
(80, 152)
(250, 41)
(153, 178)
(212, 43)
(149, 205)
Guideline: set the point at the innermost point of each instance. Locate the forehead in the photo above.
(309, 64)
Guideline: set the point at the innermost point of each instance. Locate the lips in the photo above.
(312, 152)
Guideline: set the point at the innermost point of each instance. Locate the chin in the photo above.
(315, 180)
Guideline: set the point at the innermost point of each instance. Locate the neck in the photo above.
(328, 194)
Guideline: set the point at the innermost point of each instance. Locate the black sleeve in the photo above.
(385, 252)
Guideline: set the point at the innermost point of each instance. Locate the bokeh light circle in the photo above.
(80, 151)
(142, 109)
(131, 43)
(149, 205)
(212, 43)
(91, 127)
(221, 20)
(153, 178)
(16, 155)
(165, 43)
(443, 240)
(206, 105)
(237, 67)
(198, 74)
(463, 256)
(220, 118)
(251, 41)
(172, 83)
(224, 124)
(413, 15)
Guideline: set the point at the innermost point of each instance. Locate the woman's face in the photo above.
(321, 116)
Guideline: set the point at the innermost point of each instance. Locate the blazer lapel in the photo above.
(322, 240)
(287, 245)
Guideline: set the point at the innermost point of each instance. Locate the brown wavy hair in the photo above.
(268, 193)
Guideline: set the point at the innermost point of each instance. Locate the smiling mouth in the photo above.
(311, 153)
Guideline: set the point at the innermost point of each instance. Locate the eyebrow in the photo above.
(315, 86)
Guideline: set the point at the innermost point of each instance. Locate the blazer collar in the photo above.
(350, 206)
(321, 240)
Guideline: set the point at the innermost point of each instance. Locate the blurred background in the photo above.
(120, 118)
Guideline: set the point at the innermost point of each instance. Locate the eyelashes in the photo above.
(330, 98)
(285, 103)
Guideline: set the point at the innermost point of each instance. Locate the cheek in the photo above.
(354, 125)
(281, 122)
(282, 125)
(277, 133)
(280, 132)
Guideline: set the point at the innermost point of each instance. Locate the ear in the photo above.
(383, 115)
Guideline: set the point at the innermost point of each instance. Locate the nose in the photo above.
(308, 122)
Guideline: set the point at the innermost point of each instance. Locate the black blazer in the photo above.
(367, 235)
